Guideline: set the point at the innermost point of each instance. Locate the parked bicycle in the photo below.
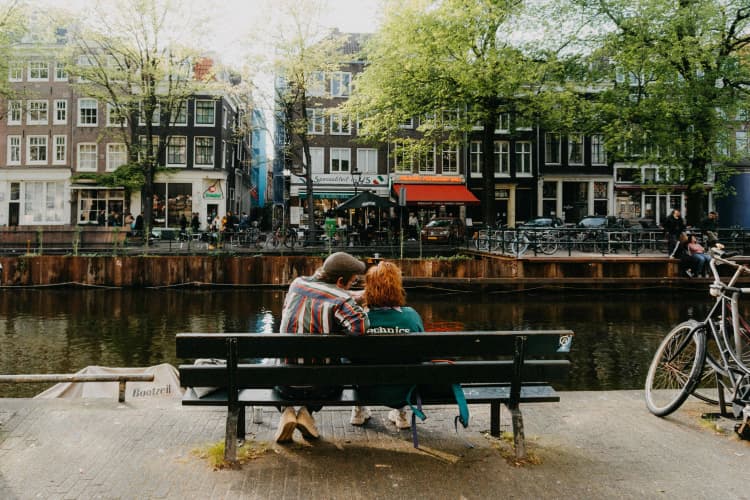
(284, 236)
(709, 359)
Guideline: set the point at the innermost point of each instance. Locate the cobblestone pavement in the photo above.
(590, 445)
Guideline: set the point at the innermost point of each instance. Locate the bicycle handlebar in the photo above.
(719, 257)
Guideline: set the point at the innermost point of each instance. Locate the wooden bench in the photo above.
(503, 367)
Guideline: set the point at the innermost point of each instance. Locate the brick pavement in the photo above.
(591, 445)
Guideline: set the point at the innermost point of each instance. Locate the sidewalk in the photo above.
(590, 445)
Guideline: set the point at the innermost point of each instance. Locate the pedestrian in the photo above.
(321, 304)
(389, 315)
(674, 226)
(710, 227)
(195, 223)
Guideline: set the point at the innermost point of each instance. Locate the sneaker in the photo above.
(306, 424)
(287, 424)
(360, 415)
(689, 272)
(399, 418)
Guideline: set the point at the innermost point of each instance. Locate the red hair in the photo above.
(384, 286)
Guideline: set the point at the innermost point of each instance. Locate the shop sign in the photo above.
(213, 192)
(343, 179)
(428, 179)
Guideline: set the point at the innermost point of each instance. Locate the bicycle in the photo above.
(544, 241)
(287, 237)
(696, 355)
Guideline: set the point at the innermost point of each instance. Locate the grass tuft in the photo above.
(214, 453)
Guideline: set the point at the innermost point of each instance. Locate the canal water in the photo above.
(64, 330)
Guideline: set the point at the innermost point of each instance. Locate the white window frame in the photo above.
(60, 151)
(449, 158)
(43, 201)
(426, 161)
(406, 166)
(14, 149)
(367, 160)
(81, 108)
(523, 158)
(576, 139)
(316, 121)
(501, 158)
(61, 73)
(475, 158)
(224, 117)
(41, 69)
(112, 117)
(213, 113)
(41, 108)
(407, 124)
(341, 123)
(60, 116)
(317, 158)
(83, 163)
(338, 157)
(740, 142)
(341, 84)
(317, 84)
(552, 157)
(598, 153)
(37, 141)
(450, 117)
(117, 155)
(15, 112)
(503, 123)
(15, 71)
(181, 112)
(142, 146)
(198, 139)
(155, 120)
(170, 147)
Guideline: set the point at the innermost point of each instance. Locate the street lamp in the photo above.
(356, 180)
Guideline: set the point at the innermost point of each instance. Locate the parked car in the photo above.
(542, 222)
(444, 229)
(603, 222)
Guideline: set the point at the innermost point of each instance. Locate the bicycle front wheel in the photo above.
(676, 368)
(290, 240)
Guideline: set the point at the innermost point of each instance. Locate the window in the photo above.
(475, 158)
(340, 123)
(87, 112)
(523, 122)
(179, 114)
(177, 151)
(92, 201)
(61, 112)
(61, 72)
(14, 150)
(367, 160)
(143, 148)
(44, 202)
(502, 157)
(426, 161)
(503, 123)
(740, 138)
(37, 113)
(204, 151)
(14, 112)
(403, 160)
(523, 158)
(575, 149)
(315, 121)
(84, 63)
(598, 154)
(115, 116)
(341, 83)
(450, 118)
(204, 112)
(316, 84)
(552, 148)
(316, 157)
(408, 123)
(60, 154)
(224, 115)
(87, 156)
(117, 155)
(450, 158)
(340, 159)
(155, 117)
(15, 71)
(36, 151)
(38, 71)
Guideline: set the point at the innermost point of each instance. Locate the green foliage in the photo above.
(130, 176)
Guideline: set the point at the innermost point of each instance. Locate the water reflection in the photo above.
(62, 331)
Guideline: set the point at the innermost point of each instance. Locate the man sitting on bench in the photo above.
(319, 304)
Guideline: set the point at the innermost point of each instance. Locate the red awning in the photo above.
(437, 194)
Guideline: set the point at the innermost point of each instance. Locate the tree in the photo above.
(430, 57)
(12, 27)
(131, 58)
(682, 71)
(303, 52)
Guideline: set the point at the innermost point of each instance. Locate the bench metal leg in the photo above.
(519, 441)
(230, 436)
(495, 419)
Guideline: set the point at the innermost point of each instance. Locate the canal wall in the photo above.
(475, 271)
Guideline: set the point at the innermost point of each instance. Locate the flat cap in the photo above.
(341, 262)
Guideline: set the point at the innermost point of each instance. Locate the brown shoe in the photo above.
(306, 424)
(287, 424)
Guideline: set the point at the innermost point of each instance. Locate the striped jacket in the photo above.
(313, 306)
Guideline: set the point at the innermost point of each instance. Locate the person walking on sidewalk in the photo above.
(319, 304)
(389, 315)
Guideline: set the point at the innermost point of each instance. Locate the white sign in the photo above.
(342, 179)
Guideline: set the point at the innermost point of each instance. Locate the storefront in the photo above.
(573, 198)
(430, 195)
(35, 197)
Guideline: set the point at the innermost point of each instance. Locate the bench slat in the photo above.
(474, 395)
(422, 346)
(258, 376)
